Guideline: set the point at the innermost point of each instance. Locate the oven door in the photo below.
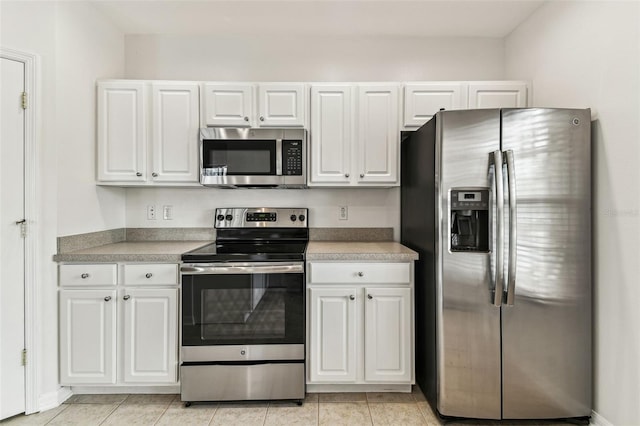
(243, 311)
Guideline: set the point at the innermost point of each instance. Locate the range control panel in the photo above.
(261, 218)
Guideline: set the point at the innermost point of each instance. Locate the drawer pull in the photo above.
(352, 297)
(84, 276)
(126, 297)
(369, 296)
(361, 274)
(149, 275)
(106, 299)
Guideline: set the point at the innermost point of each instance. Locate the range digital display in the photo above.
(262, 217)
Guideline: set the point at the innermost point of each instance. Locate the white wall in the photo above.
(76, 46)
(88, 47)
(308, 58)
(587, 54)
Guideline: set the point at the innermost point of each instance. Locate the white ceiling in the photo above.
(422, 18)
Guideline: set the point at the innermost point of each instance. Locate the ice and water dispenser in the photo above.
(469, 213)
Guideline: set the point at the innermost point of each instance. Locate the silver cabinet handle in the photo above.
(499, 286)
(148, 275)
(511, 189)
(246, 119)
(126, 297)
(261, 118)
(138, 174)
(352, 297)
(346, 175)
(106, 299)
(154, 174)
(361, 274)
(361, 175)
(369, 296)
(84, 276)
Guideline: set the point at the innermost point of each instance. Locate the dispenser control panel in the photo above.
(465, 200)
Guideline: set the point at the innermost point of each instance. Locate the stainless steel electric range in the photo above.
(243, 313)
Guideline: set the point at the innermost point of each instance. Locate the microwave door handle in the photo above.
(278, 157)
(499, 247)
(511, 182)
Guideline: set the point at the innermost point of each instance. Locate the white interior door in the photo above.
(12, 126)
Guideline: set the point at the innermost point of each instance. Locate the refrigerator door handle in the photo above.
(513, 227)
(499, 249)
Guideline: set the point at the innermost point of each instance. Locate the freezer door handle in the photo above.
(499, 249)
(513, 227)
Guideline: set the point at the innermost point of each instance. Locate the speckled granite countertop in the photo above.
(132, 251)
(348, 250)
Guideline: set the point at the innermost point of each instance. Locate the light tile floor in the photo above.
(318, 409)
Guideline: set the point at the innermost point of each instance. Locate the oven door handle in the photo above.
(222, 269)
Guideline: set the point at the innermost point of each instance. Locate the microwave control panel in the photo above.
(292, 157)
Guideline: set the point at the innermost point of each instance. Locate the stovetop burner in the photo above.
(255, 235)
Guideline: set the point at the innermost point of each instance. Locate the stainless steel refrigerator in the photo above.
(497, 202)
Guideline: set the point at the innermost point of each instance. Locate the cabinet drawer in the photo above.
(79, 275)
(151, 273)
(359, 273)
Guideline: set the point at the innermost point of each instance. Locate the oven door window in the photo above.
(242, 309)
(240, 157)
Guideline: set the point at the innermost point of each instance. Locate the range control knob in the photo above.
(229, 217)
(220, 217)
(293, 218)
(301, 218)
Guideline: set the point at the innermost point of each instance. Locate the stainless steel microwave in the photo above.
(253, 158)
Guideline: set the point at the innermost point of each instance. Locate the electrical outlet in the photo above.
(151, 212)
(167, 212)
(344, 213)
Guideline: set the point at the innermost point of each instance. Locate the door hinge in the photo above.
(24, 357)
(24, 100)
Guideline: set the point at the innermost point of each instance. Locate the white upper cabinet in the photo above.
(378, 134)
(174, 134)
(122, 131)
(251, 105)
(281, 105)
(354, 135)
(331, 135)
(423, 100)
(148, 133)
(228, 105)
(498, 94)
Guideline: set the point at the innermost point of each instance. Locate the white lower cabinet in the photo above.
(87, 336)
(360, 333)
(149, 331)
(119, 335)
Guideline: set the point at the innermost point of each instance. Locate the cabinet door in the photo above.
(87, 336)
(423, 100)
(387, 338)
(332, 341)
(499, 94)
(122, 135)
(228, 104)
(174, 135)
(331, 134)
(281, 105)
(378, 135)
(150, 323)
